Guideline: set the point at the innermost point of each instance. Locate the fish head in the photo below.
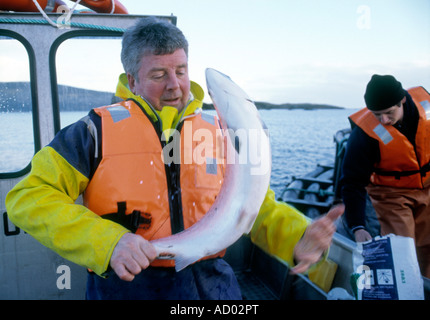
(240, 120)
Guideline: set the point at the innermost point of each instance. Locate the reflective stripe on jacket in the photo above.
(43, 202)
(402, 164)
(140, 172)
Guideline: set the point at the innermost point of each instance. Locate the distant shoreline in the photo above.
(16, 97)
(284, 106)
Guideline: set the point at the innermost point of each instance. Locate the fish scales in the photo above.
(246, 179)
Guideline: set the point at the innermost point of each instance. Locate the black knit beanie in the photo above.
(383, 92)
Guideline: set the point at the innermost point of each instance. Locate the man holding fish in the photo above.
(153, 226)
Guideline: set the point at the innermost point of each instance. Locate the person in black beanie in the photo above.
(388, 159)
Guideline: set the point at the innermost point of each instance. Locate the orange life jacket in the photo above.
(132, 180)
(402, 165)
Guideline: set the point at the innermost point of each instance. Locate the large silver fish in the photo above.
(246, 180)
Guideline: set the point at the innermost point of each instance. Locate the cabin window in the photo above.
(88, 69)
(17, 142)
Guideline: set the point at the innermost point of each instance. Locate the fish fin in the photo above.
(181, 262)
(165, 251)
(163, 256)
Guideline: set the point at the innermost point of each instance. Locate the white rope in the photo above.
(113, 7)
(69, 14)
(52, 23)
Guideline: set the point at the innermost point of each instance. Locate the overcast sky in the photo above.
(317, 51)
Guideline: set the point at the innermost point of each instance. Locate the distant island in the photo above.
(288, 106)
(16, 97)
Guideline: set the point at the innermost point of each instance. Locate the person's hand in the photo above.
(131, 255)
(361, 235)
(316, 240)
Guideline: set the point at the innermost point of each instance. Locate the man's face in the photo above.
(391, 116)
(163, 80)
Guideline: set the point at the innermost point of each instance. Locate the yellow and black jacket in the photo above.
(75, 163)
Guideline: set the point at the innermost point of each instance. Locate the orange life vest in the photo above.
(402, 165)
(133, 177)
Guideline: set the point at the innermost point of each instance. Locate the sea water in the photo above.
(300, 139)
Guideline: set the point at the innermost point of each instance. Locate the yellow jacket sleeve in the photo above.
(278, 228)
(43, 204)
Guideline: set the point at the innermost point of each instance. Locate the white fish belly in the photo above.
(246, 181)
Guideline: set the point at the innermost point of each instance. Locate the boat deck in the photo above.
(264, 277)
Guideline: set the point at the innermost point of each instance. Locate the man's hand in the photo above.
(316, 240)
(362, 235)
(131, 255)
